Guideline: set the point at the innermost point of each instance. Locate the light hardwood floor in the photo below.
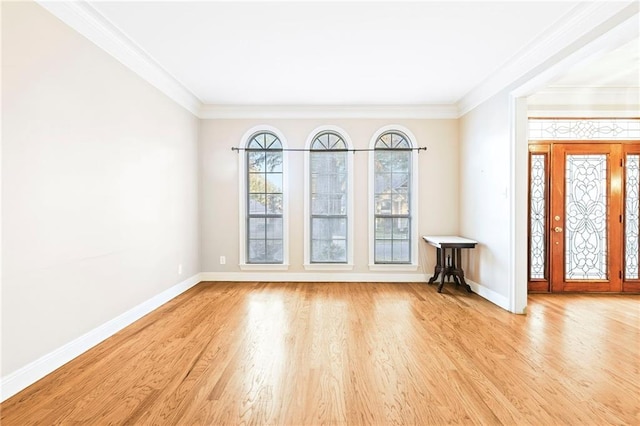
(352, 353)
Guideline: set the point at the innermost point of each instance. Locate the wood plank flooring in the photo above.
(352, 353)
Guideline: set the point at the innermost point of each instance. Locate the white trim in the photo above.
(387, 267)
(328, 266)
(313, 277)
(589, 19)
(329, 111)
(485, 292)
(307, 197)
(518, 194)
(264, 267)
(414, 196)
(86, 20)
(34, 371)
(242, 178)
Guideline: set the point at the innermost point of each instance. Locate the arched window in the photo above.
(393, 239)
(264, 212)
(328, 199)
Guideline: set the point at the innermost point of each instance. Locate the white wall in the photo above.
(438, 185)
(485, 147)
(99, 187)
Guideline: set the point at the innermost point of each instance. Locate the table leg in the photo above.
(438, 267)
(460, 272)
(443, 262)
(455, 258)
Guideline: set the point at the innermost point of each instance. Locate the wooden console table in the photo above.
(449, 266)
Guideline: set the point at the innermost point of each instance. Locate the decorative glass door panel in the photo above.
(585, 227)
(631, 162)
(538, 217)
(585, 245)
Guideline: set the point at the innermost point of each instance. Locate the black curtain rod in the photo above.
(422, 148)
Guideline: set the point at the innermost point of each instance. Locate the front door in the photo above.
(588, 228)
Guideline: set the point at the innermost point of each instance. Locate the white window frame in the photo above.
(243, 187)
(413, 266)
(307, 203)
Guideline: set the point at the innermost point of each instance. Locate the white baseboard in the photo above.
(490, 295)
(34, 371)
(270, 276)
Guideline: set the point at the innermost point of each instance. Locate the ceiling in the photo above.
(333, 53)
(405, 59)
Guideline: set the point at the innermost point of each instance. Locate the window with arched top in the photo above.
(329, 198)
(392, 199)
(264, 193)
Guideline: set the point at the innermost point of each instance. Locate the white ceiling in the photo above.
(619, 68)
(333, 53)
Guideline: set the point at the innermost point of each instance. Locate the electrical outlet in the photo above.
(223, 260)
(180, 269)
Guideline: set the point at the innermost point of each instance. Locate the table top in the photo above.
(449, 241)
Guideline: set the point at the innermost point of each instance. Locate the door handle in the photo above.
(557, 229)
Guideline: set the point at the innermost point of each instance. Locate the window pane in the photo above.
(401, 162)
(274, 162)
(257, 251)
(401, 228)
(257, 183)
(400, 181)
(382, 183)
(400, 203)
(274, 183)
(256, 228)
(274, 228)
(383, 161)
(274, 204)
(274, 251)
(319, 204)
(383, 251)
(257, 204)
(256, 161)
(334, 228)
(383, 228)
(400, 251)
(382, 204)
(338, 205)
(334, 251)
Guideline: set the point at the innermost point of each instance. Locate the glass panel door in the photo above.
(586, 228)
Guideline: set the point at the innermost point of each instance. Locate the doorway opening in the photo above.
(583, 205)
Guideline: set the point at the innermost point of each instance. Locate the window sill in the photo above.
(328, 266)
(393, 268)
(263, 267)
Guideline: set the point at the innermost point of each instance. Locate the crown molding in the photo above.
(328, 111)
(575, 30)
(86, 20)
